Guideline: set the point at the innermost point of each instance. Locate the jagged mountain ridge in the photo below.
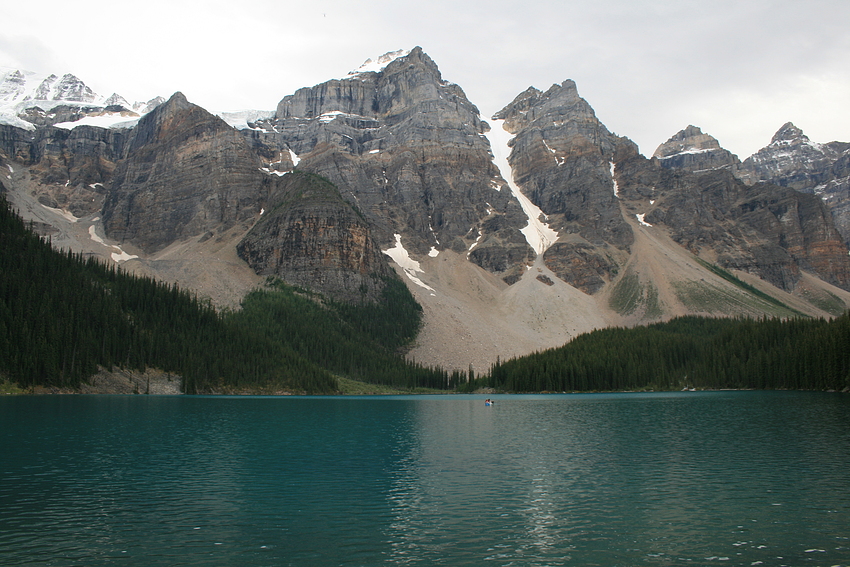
(408, 148)
(411, 165)
(791, 160)
(28, 100)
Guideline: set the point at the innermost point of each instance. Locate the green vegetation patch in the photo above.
(629, 295)
(626, 294)
(7, 387)
(693, 352)
(362, 342)
(717, 270)
(705, 297)
(62, 316)
(653, 307)
(825, 301)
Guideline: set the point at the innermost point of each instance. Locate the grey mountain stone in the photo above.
(692, 150)
(407, 148)
(314, 239)
(184, 173)
(345, 166)
(793, 160)
(562, 158)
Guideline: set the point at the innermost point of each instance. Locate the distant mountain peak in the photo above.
(379, 64)
(690, 140)
(693, 150)
(22, 91)
(788, 132)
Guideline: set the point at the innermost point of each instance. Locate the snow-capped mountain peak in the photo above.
(20, 86)
(378, 65)
(23, 90)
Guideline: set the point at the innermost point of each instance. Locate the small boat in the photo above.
(489, 402)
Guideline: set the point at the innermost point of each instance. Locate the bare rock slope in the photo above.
(392, 168)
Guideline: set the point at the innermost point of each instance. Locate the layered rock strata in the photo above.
(563, 159)
(185, 173)
(407, 148)
(692, 150)
(793, 160)
(312, 238)
(769, 231)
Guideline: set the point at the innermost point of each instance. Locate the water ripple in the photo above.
(727, 478)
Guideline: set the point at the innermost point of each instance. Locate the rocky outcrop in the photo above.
(801, 225)
(691, 150)
(69, 167)
(765, 230)
(563, 159)
(581, 264)
(185, 173)
(407, 148)
(792, 160)
(84, 155)
(312, 238)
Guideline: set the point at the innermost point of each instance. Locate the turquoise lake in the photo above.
(691, 478)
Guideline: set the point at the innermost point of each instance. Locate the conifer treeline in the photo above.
(356, 341)
(692, 352)
(63, 315)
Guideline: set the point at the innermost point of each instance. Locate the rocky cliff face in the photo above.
(407, 148)
(69, 167)
(392, 157)
(693, 151)
(765, 230)
(792, 160)
(185, 173)
(563, 160)
(312, 238)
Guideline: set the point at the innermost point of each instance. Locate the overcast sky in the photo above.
(739, 69)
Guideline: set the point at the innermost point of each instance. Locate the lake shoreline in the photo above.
(155, 382)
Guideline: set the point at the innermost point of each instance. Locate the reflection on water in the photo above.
(734, 478)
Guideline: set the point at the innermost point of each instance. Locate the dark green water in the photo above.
(725, 478)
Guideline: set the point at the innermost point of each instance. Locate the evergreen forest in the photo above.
(689, 352)
(63, 315)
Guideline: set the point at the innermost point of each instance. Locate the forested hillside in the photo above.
(63, 315)
(690, 352)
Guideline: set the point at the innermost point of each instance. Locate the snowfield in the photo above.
(538, 234)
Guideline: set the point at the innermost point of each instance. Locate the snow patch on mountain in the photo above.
(410, 266)
(240, 119)
(21, 90)
(117, 257)
(106, 120)
(614, 180)
(640, 217)
(378, 65)
(537, 233)
(691, 150)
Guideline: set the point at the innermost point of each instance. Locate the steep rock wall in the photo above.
(185, 173)
(312, 238)
(407, 148)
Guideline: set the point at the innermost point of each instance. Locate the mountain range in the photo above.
(515, 232)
